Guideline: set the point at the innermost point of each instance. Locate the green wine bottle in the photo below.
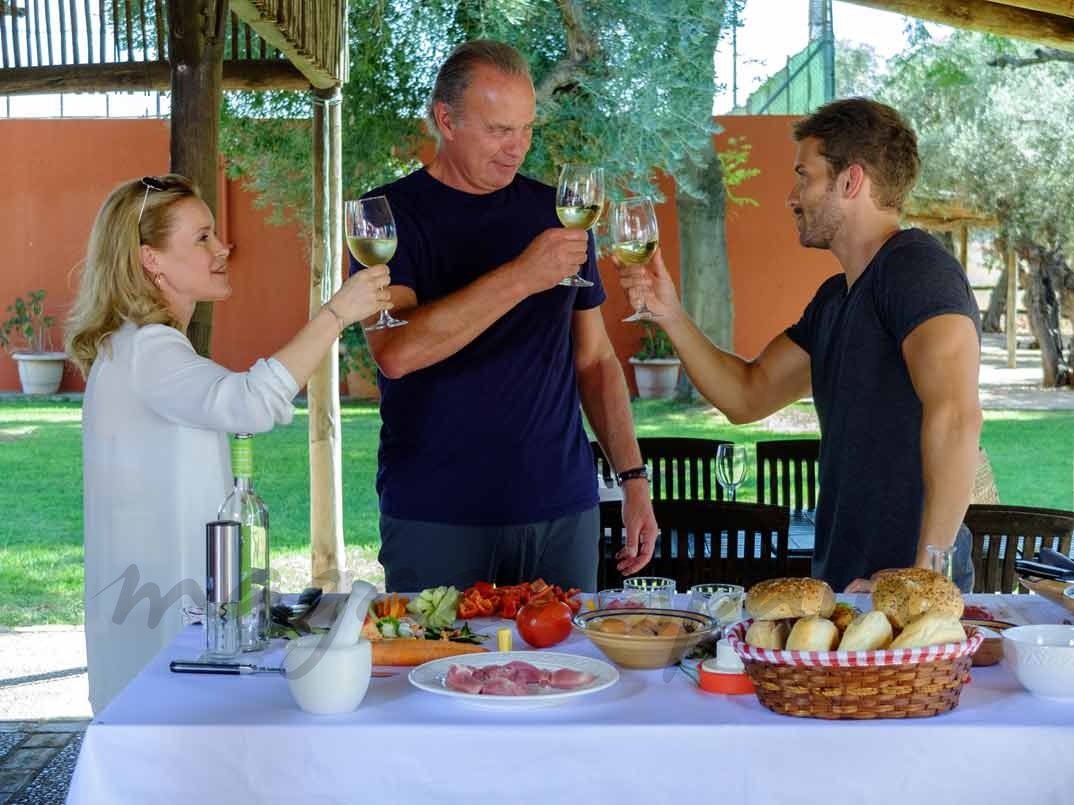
(244, 506)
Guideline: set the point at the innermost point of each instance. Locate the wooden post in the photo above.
(326, 460)
(1012, 308)
(964, 246)
(196, 44)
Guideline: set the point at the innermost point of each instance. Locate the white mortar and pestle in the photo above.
(329, 673)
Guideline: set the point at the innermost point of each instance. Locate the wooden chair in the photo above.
(705, 541)
(1002, 534)
(787, 473)
(682, 468)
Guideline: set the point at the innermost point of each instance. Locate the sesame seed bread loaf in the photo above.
(906, 594)
(776, 599)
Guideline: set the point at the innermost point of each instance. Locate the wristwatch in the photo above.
(629, 475)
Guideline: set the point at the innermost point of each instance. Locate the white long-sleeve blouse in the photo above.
(156, 466)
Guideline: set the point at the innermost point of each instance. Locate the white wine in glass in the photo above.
(634, 239)
(732, 465)
(371, 240)
(579, 200)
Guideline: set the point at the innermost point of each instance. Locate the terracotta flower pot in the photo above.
(656, 378)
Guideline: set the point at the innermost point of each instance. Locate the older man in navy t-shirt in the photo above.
(485, 470)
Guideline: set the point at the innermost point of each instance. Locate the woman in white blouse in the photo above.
(156, 415)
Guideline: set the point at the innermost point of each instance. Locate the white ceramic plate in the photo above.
(430, 677)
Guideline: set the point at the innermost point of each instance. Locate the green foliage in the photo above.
(354, 354)
(642, 102)
(734, 160)
(27, 328)
(655, 343)
(991, 138)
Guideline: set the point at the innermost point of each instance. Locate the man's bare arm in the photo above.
(943, 357)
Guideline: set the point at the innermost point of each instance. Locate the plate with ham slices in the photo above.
(515, 679)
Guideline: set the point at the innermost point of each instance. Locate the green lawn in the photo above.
(41, 491)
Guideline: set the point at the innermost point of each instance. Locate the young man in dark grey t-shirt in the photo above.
(889, 350)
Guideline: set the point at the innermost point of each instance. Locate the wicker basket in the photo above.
(904, 683)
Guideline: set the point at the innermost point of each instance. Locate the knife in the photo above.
(228, 668)
(237, 668)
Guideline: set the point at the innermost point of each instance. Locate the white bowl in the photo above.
(1042, 659)
(326, 679)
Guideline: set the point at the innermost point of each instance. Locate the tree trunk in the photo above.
(705, 277)
(196, 30)
(1045, 285)
(997, 305)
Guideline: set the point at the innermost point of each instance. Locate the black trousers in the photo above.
(418, 554)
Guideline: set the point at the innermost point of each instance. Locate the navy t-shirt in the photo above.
(871, 501)
(493, 434)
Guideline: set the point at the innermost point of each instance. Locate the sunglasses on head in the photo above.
(150, 183)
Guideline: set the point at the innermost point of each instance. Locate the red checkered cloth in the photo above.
(852, 659)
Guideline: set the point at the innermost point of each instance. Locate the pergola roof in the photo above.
(1047, 22)
(99, 46)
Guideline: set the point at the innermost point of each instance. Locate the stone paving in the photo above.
(37, 760)
(44, 707)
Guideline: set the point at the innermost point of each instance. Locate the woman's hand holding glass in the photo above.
(363, 295)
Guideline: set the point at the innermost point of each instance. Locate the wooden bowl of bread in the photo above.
(645, 638)
(809, 656)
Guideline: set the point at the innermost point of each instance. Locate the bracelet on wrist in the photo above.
(339, 319)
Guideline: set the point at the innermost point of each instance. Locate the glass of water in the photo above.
(661, 590)
(723, 602)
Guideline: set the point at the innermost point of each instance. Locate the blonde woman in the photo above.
(156, 415)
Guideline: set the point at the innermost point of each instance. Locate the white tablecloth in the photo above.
(654, 737)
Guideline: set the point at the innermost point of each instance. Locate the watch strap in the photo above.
(634, 472)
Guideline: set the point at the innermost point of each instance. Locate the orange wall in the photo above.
(772, 276)
(56, 173)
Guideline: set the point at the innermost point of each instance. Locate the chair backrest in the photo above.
(706, 541)
(1002, 534)
(682, 468)
(787, 473)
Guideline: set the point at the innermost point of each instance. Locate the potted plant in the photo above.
(26, 337)
(356, 364)
(656, 367)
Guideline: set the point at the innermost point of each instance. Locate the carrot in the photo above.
(406, 651)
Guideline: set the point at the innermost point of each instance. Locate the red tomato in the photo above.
(544, 623)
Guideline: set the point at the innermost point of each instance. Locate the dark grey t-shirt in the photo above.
(871, 485)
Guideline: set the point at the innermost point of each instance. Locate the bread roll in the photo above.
(903, 595)
(867, 632)
(776, 599)
(813, 634)
(931, 629)
(767, 634)
(843, 615)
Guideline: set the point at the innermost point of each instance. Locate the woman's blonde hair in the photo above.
(113, 287)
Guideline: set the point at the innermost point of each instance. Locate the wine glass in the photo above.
(732, 464)
(579, 200)
(371, 239)
(634, 239)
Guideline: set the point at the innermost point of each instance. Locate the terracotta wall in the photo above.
(57, 172)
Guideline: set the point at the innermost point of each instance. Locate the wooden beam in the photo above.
(196, 44)
(1053, 30)
(267, 29)
(1011, 315)
(1064, 8)
(326, 263)
(964, 246)
(136, 76)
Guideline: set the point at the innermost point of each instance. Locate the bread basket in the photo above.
(887, 683)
